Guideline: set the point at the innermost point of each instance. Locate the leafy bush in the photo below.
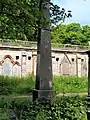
(64, 108)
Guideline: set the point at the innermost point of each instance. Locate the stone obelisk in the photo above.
(44, 87)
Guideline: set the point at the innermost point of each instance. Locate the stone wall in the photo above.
(21, 61)
(71, 63)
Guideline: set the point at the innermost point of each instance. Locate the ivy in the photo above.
(64, 108)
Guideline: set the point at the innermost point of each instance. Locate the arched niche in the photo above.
(8, 57)
(7, 67)
(65, 65)
(10, 67)
(16, 69)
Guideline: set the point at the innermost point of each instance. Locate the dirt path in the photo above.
(30, 96)
(72, 94)
(15, 97)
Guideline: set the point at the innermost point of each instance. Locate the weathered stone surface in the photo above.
(43, 94)
(78, 64)
(7, 67)
(44, 88)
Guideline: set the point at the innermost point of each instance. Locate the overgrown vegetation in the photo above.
(64, 108)
(25, 85)
(22, 108)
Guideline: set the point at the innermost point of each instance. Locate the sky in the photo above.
(80, 10)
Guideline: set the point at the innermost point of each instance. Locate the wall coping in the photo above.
(29, 45)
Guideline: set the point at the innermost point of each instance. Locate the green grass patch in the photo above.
(70, 84)
(16, 85)
(25, 85)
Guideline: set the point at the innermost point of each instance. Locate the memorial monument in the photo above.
(44, 87)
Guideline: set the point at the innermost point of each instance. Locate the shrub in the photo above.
(64, 108)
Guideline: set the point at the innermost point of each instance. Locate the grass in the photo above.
(69, 107)
(25, 85)
(70, 84)
(16, 85)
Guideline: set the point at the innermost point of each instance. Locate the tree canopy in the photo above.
(71, 34)
(19, 18)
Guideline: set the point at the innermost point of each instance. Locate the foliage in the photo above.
(71, 34)
(19, 18)
(86, 31)
(4, 114)
(64, 108)
(58, 34)
(70, 84)
(58, 15)
(25, 85)
(16, 85)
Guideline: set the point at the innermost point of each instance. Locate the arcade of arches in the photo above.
(20, 61)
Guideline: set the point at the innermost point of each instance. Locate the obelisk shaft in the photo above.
(44, 88)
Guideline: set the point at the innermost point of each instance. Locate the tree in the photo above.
(71, 34)
(74, 35)
(58, 34)
(86, 32)
(19, 18)
(75, 38)
(74, 27)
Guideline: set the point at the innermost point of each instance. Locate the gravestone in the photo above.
(44, 87)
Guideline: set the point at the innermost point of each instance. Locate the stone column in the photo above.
(76, 65)
(79, 67)
(44, 88)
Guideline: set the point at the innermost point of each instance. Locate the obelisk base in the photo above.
(47, 95)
